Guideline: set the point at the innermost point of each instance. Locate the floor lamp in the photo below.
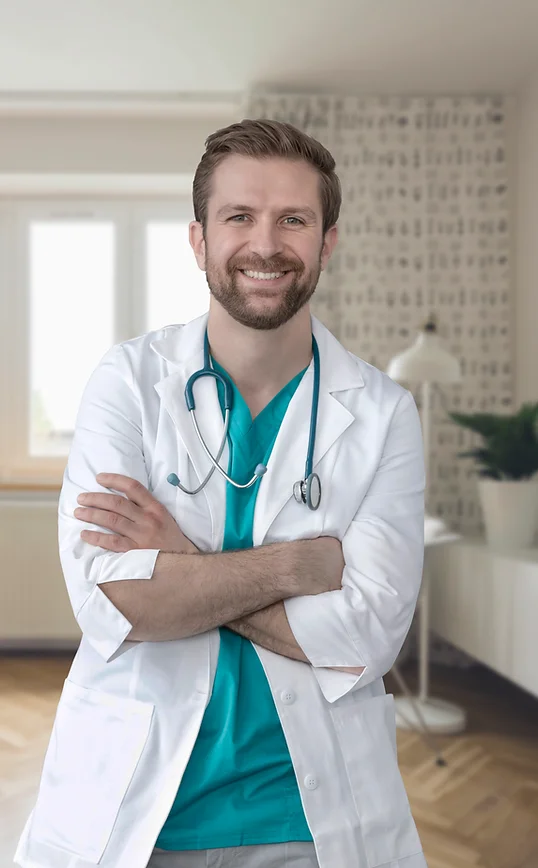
(427, 362)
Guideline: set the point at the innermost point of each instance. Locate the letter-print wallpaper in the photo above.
(423, 227)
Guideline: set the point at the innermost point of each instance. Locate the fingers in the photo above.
(109, 502)
(111, 520)
(108, 541)
(134, 489)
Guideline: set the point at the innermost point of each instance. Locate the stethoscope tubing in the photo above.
(214, 461)
(303, 488)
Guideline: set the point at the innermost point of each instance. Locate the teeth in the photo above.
(262, 275)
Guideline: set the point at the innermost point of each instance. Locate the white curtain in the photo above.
(423, 227)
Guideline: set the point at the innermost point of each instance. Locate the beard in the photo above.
(243, 305)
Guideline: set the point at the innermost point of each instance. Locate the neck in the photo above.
(260, 362)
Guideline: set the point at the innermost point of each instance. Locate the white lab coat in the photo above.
(129, 712)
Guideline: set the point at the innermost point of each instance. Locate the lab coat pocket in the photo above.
(96, 743)
(366, 731)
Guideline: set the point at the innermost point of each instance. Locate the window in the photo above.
(79, 276)
(64, 346)
(173, 280)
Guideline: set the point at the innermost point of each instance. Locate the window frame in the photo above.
(143, 213)
(129, 214)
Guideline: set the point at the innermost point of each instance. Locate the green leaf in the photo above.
(510, 442)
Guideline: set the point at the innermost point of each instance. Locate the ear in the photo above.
(197, 240)
(329, 243)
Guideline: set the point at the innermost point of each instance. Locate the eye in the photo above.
(238, 218)
(298, 221)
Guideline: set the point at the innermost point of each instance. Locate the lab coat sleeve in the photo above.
(107, 438)
(365, 623)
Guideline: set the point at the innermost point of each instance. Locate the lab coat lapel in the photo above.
(183, 349)
(338, 372)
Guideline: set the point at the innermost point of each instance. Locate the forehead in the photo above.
(272, 182)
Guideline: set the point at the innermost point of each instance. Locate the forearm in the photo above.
(190, 594)
(270, 628)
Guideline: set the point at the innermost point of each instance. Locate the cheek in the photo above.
(311, 251)
(220, 253)
(302, 252)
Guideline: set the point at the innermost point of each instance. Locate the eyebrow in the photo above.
(308, 213)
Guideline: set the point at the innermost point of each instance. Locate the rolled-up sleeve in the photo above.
(107, 438)
(364, 624)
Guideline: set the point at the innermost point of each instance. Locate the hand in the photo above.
(138, 521)
(320, 565)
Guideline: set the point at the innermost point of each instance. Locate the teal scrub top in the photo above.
(239, 787)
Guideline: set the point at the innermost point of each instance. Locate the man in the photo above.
(226, 705)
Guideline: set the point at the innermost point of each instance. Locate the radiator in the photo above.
(35, 612)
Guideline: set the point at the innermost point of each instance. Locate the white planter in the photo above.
(510, 510)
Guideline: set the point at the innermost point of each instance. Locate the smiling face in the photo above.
(263, 247)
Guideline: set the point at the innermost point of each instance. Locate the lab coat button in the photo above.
(310, 782)
(287, 697)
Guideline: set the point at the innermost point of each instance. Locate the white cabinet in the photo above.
(485, 601)
(525, 619)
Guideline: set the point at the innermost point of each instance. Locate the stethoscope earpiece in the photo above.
(306, 491)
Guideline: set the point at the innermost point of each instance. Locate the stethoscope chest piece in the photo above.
(308, 491)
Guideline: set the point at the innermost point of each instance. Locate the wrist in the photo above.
(296, 573)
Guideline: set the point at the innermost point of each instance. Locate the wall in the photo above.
(92, 145)
(425, 227)
(34, 606)
(527, 244)
(106, 145)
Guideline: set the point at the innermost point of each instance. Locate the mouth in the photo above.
(265, 278)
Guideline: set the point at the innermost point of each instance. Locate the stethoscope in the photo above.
(307, 490)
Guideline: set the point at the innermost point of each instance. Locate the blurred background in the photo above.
(430, 108)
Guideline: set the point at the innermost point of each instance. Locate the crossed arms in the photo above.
(288, 597)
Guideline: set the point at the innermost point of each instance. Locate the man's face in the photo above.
(263, 246)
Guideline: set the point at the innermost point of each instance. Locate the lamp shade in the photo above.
(426, 360)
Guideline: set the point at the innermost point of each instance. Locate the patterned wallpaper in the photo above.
(424, 227)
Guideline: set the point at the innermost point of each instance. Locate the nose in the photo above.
(265, 239)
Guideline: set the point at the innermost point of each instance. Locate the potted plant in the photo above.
(507, 464)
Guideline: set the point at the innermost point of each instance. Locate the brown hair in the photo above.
(261, 139)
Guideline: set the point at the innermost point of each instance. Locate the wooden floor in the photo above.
(480, 811)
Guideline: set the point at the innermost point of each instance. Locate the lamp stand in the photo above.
(425, 712)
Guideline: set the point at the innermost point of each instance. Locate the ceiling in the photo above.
(224, 47)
